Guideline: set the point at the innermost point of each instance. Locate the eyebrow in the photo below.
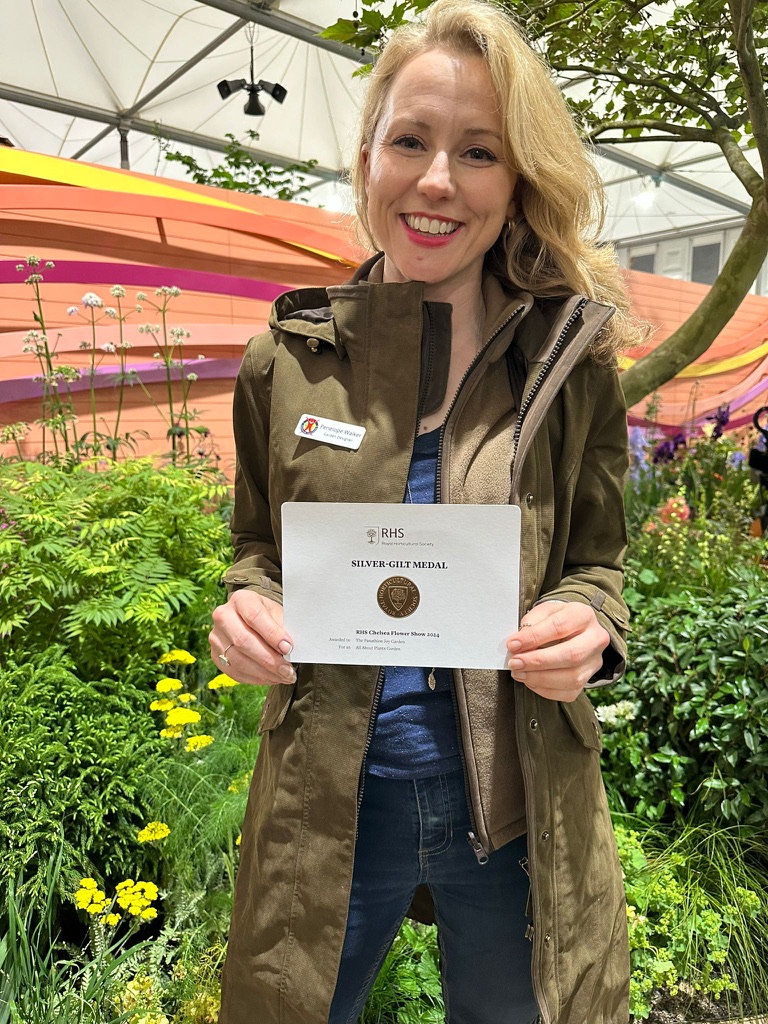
(474, 132)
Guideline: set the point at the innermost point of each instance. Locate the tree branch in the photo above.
(702, 327)
(751, 74)
(647, 83)
(676, 131)
(555, 25)
(706, 98)
(739, 164)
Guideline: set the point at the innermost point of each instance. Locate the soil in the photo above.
(688, 1008)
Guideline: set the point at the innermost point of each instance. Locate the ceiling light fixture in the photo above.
(253, 105)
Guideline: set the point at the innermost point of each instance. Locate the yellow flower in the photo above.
(178, 656)
(162, 705)
(82, 898)
(111, 920)
(237, 841)
(236, 785)
(127, 884)
(172, 733)
(154, 830)
(168, 683)
(198, 742)
(95, 908)
(182, 716)
(149, 914)
(186, 698)
(88, 883)
(220, 681)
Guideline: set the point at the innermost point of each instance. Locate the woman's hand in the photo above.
(557, 649)
(249, 628)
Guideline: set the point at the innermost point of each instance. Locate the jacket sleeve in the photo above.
(597, 536)
(256, 558)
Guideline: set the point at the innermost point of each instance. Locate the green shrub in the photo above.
(74, 760)
(695, 739)
(201, 797)
(408, 989)
(697, 913)
(116, 565)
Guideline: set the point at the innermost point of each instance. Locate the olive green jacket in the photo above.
(544, 427)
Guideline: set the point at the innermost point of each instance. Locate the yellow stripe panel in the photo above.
(70, 172)
(710, 369)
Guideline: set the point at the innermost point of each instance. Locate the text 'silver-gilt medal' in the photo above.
(398, 596)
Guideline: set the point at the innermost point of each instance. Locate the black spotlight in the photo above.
(253, 105)
(227, 88)
(277, 92)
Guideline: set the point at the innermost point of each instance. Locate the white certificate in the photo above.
(379, 584)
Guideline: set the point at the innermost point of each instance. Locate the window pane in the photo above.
(705, 265)
(646, 262)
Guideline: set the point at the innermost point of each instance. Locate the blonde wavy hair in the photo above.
(551, 247)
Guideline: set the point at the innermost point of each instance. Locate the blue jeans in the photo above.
(414, 832)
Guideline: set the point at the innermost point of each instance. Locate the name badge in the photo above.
(319, 428)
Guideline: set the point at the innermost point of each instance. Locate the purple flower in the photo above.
(737, 459)
(666, 451)
(720, 418)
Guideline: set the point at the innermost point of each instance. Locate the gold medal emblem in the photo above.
(398, 596)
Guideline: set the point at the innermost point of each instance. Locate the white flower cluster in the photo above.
(171, 292)
(117, 291)
(615, 714)
(92, 301)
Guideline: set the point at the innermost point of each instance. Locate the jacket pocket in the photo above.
(279, 698)
(580, 715)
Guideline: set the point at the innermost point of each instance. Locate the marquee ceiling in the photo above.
(77, 75)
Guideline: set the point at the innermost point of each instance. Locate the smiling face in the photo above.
(439, 191)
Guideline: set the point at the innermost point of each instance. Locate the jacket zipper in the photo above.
(477, 847)
(369, 736)
(543, 373)
(525, 405)
(380, 677)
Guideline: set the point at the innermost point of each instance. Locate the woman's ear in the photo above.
(365, 155)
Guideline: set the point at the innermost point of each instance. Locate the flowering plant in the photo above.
(62, 443)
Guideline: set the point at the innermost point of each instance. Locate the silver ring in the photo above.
(223, 656)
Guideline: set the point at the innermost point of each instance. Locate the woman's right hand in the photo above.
(249, 628)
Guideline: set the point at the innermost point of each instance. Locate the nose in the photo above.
(437, 181)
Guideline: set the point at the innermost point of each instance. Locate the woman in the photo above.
(477, 350)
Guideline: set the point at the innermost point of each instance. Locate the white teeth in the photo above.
(431, 227)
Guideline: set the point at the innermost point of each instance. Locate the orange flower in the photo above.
(674, 510)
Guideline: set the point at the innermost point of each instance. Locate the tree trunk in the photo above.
(701, 328)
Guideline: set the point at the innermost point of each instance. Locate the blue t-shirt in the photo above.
(415, 732)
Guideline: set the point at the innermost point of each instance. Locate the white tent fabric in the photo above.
(73, 73)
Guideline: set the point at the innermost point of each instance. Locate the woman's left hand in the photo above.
(557, 649)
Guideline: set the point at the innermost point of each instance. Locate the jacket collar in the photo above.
(345, 316)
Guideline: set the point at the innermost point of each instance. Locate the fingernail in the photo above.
(286, 672)
(514, 645)
(515, 665)
(285, 647)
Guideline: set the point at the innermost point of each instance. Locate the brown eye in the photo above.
(407, 142)
(478, 153)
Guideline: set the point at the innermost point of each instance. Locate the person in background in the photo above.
(478, 349)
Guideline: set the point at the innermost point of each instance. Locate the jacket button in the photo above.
(545, 835)
(547, 939)
(534, 724)
(239, 579)
(529, 499)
